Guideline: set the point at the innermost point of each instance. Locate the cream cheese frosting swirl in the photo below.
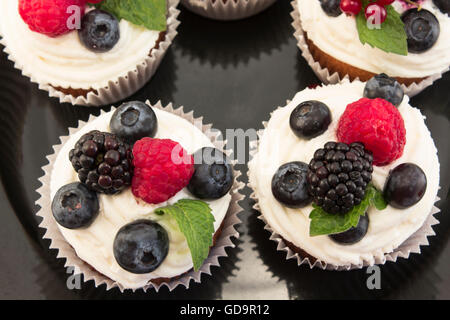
(94, 244)
(338, 37)
(387, 228)
(63, 61)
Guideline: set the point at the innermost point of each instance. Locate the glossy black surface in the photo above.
(234, 74)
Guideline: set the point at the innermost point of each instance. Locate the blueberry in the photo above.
(405, 186)
(354, 234)
(331, 7)
(290, 186)
(384, 87)
(422, 29)
(141, 246)
(310, 119)
(213, 175)
(75, 206)
(443, 5)
(133, 121)
(99, 31)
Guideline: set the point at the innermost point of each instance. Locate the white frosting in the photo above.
(95, 244)
(338, 37)
(388, 228)
(63, 61)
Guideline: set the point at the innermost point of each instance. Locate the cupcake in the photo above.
(83, 54)
(140, 197)
(227, 9)
(346, 175)
(357, 39)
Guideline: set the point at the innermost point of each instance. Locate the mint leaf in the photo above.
(150, 14)
(391, 35)
(196, 222)
(324, 223)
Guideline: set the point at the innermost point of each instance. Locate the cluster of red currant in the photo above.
(375, 12)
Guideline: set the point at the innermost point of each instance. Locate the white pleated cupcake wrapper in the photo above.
(66, 251)
(324, 74)
(230, 10)
(410, 245)
(117, 89)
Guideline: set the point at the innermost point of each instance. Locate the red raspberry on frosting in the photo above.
(50, 17)
(161, 169)
(377, 124)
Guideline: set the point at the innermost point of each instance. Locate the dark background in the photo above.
(234, 74)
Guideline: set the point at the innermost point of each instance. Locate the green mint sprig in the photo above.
(150, 14)
(196, 222)
(324, 223)
(390, 36)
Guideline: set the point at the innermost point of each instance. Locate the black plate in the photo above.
(234, 74)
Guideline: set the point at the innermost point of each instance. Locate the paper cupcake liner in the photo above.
(410, 245)
(125, 85)
(228, 10)
(324, 74)
(66, 251)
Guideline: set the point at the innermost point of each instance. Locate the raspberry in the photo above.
(162, 169)
(377, 124)
(49, 17)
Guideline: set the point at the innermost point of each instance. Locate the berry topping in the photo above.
(213, 175)
(443, 5)
(162, 169)
(141, 246)
(338, 176)
(133, 121)
(385, 2)
(289, 185)
(422, 29)
(384, 87)
(99, 31)
(351, 7)
(354, 234)
(50, 17)
(375, 13)
(377, 124)
(75, 206)
(310, 119)
(405, 186)
(331, 7)
(103, 162)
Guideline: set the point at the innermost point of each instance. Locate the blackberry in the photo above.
(338, 176)
(103, 162)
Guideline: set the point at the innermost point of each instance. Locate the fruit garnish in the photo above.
(310, 119)
(134, 120)
(384, 87)
(331, 7)
(338, 176)
(390, 36)
(351, 7)
(422, 29)
(443, 5)
(289, 185)
(99, 31)
(103, 162)
(196, 222)
(141, 246)
(323, 223)
(75, 206)
(405, 186)
(50, 17)
(378, 125)
(161, 169)
(354, 234)
(213, 175)
(375, 13)
(150, 14)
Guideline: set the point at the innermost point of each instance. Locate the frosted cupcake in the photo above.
(346, 175)
(227, 9)
(85, 55)
(407, 40)
(140, 197)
